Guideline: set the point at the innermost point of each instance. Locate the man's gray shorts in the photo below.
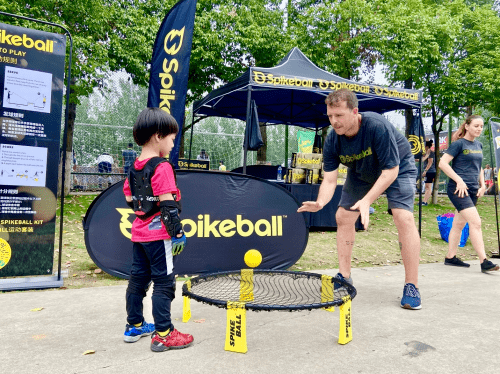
(400, 194)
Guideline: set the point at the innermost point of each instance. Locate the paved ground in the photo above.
(457, 331)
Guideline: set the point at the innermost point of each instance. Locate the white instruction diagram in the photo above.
(22, 165)
(27, 89)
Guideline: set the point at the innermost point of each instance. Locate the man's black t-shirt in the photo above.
(377, 146)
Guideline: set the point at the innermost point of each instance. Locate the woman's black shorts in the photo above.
(462, 203)
(429, 177)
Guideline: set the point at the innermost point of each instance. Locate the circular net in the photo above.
(269, 290)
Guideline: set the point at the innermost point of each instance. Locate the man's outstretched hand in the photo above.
(310, 206)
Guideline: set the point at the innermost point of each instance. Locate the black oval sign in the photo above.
(224, 215)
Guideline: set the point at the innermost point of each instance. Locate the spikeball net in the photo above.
(268, 290)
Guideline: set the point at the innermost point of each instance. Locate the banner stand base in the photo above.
(31, 283)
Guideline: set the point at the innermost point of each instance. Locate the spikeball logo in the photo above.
(416, 144)
(207, 227)
(5, 253)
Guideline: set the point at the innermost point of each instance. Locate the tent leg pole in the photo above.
(492, 149)
(419, 113)
(420, 199)
(286, 146)
(191, 141)
(245, 142)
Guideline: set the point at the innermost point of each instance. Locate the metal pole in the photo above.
(450, 124)
(191, 140)
(420, 199)
(286, 146)
(492, 149)
(66, 116)
(420, 181)
(245, 142)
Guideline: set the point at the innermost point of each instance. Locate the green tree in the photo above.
(440, 46)
(338, 35)
(107, 36)
(106, 118)
(110, 35)
(229, 37)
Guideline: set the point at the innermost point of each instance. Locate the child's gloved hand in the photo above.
(178, 244)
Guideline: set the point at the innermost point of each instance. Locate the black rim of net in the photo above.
(348, 289)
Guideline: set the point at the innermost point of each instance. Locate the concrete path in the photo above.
(456, 331)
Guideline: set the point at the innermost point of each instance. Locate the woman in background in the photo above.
(429, 171)
(465, 186)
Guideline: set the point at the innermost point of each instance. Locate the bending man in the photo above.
(379, 160)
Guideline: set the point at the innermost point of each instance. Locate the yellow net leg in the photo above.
(186, 309)
(246, 285)
(327, 291)
(186, 306)
(345, 329)
(236, 330)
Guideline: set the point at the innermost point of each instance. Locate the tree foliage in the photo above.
(336, 35)
(449, 49)
(107, 35)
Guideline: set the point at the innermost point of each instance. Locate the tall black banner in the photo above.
(495, 134)
(170, 65)
(223, 214)
(31, 91)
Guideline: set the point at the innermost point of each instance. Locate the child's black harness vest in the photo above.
(142, 192)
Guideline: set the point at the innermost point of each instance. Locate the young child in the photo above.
(150, 189)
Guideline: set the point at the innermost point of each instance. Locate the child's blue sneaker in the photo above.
(411, 297)
(133, 334)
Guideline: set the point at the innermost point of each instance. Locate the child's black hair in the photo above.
(428, 143)
(153, 121)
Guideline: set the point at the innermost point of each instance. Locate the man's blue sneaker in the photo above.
(133, 334)
(411, 297)
(337, 286)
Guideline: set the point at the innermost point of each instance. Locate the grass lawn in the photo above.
(378, 246)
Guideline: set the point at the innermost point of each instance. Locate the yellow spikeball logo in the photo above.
(5, 253)
(253, 258)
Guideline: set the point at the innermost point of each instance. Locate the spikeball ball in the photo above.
(253, 258)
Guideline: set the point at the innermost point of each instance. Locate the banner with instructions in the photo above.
(31, 95)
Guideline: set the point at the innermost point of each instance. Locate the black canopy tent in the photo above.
(293, 93)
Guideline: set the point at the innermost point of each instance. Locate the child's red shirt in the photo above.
(162, 182)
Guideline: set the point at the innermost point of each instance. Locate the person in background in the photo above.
(465, 186)
(203, 155)
(222, 167)
(129, 156)
(488, 178)
(104, 165)
(430, 171)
